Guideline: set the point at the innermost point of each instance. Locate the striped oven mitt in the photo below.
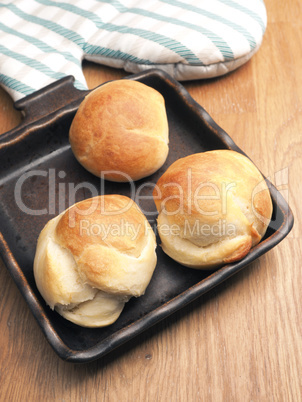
(44, 40)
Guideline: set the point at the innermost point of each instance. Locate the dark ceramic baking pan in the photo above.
(40, 177)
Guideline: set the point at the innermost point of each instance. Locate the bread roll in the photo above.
(213, 207)
(93, 257)
(120, 131)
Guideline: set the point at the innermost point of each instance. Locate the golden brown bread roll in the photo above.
(120, 131)
(93, 257)
(213, 207)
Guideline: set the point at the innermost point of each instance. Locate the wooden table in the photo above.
(239, 342)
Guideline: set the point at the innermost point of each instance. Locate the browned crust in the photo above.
(206, 180)
(112, 221)
(241, 252)
(212, 187)
(121, 126)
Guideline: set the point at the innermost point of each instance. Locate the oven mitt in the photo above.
(42, 41)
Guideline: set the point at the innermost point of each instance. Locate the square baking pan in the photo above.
(40, 178)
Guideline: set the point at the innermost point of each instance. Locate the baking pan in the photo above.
(40, 177)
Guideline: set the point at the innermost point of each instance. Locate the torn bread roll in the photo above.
(213, 208)
(120, 131)
(92, 258)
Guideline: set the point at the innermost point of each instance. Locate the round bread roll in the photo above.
(120, 131)
(213, 207)
(93, 257)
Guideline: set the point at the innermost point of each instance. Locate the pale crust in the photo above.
(213, 207)
(93, 257)
(121, 127)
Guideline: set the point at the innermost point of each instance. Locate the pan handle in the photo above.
(48, 101)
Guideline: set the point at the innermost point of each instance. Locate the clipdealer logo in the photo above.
(61, 194)
(114, 229)
(220, 228)
(55, 189)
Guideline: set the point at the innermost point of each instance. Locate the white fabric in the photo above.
(42, 41)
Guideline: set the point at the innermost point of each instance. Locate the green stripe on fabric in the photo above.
(15, 85)
(74, 37)
(245, 10)
(52, 26)
(219, 42)
(39, 44)
(162, 40)
(114, 54)
(37, 65)
(251, 40)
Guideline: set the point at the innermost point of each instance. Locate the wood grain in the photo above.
(241, 341)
